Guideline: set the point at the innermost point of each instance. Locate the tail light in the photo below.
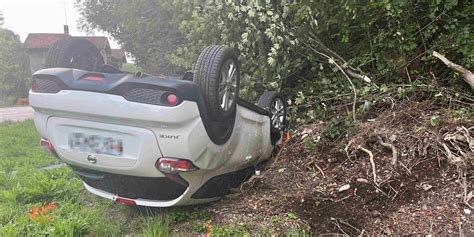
(171, 167)
(126, 201)
(93, 77)
(172, 99)
(48, 146)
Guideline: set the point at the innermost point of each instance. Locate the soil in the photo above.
(323, 188)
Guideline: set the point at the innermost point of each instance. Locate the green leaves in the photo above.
(275, 41)
(14, 66)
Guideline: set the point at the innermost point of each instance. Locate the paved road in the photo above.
(16, 113)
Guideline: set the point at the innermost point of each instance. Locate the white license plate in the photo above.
(95, 144)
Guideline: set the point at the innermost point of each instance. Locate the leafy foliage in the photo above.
(14, 68)
(296, 46)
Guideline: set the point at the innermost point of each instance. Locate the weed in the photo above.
(227, 230)
(298, 232)
(292, 216)
(274, 219)
(309, 145)
(156, 227)
(199, 227)
(178, 216)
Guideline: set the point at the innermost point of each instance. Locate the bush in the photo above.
(284, 43)
(15, 75)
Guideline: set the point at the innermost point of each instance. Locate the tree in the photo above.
(144, 28)
(14, 69)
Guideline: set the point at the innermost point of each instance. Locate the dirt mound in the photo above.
(405, 170)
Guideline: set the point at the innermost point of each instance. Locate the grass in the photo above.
(53, 202)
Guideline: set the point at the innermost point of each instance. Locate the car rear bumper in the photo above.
(141, 191)
(132, 187)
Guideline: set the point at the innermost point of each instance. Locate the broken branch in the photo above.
(467, 75)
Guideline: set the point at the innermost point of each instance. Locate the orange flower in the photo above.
(285, 139)
(208, 227)
(37, 213)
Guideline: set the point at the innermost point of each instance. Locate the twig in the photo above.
(392, 147)
(339, 227)
(406, 168)
(467, 196)
(317, 167)
(408, 74)
(346, 149)
(351, 71)
(467, 75)
(331, 60)
(372, 162)
(345, 223)
(353, 89)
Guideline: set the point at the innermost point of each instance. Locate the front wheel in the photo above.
(274, 102)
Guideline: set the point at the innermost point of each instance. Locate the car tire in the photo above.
(74, 52)
(217, 74)
(274, 102)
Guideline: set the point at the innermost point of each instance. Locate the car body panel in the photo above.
(149, 132)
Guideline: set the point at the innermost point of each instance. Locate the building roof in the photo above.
(118, 54)
(47, 40)
(41, 40)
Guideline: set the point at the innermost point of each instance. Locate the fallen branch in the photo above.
(332, 61)
(391, 147)
(353, 89)
(351, 71)
(356, 75)
(372, 162)
(467, 75)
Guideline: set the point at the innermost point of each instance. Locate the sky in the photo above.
(42, 16)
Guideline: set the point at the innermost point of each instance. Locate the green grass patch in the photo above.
(24, 188)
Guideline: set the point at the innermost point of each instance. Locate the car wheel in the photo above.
(217, 74)
(274, 102)
(74, 52)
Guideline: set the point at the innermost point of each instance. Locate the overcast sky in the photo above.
(42, 16)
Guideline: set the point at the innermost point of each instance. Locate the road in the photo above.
(16, 113)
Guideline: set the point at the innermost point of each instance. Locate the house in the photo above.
(38, 44)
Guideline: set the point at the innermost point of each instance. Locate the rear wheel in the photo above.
(217, 73)
(74, 52)
(274, 102)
